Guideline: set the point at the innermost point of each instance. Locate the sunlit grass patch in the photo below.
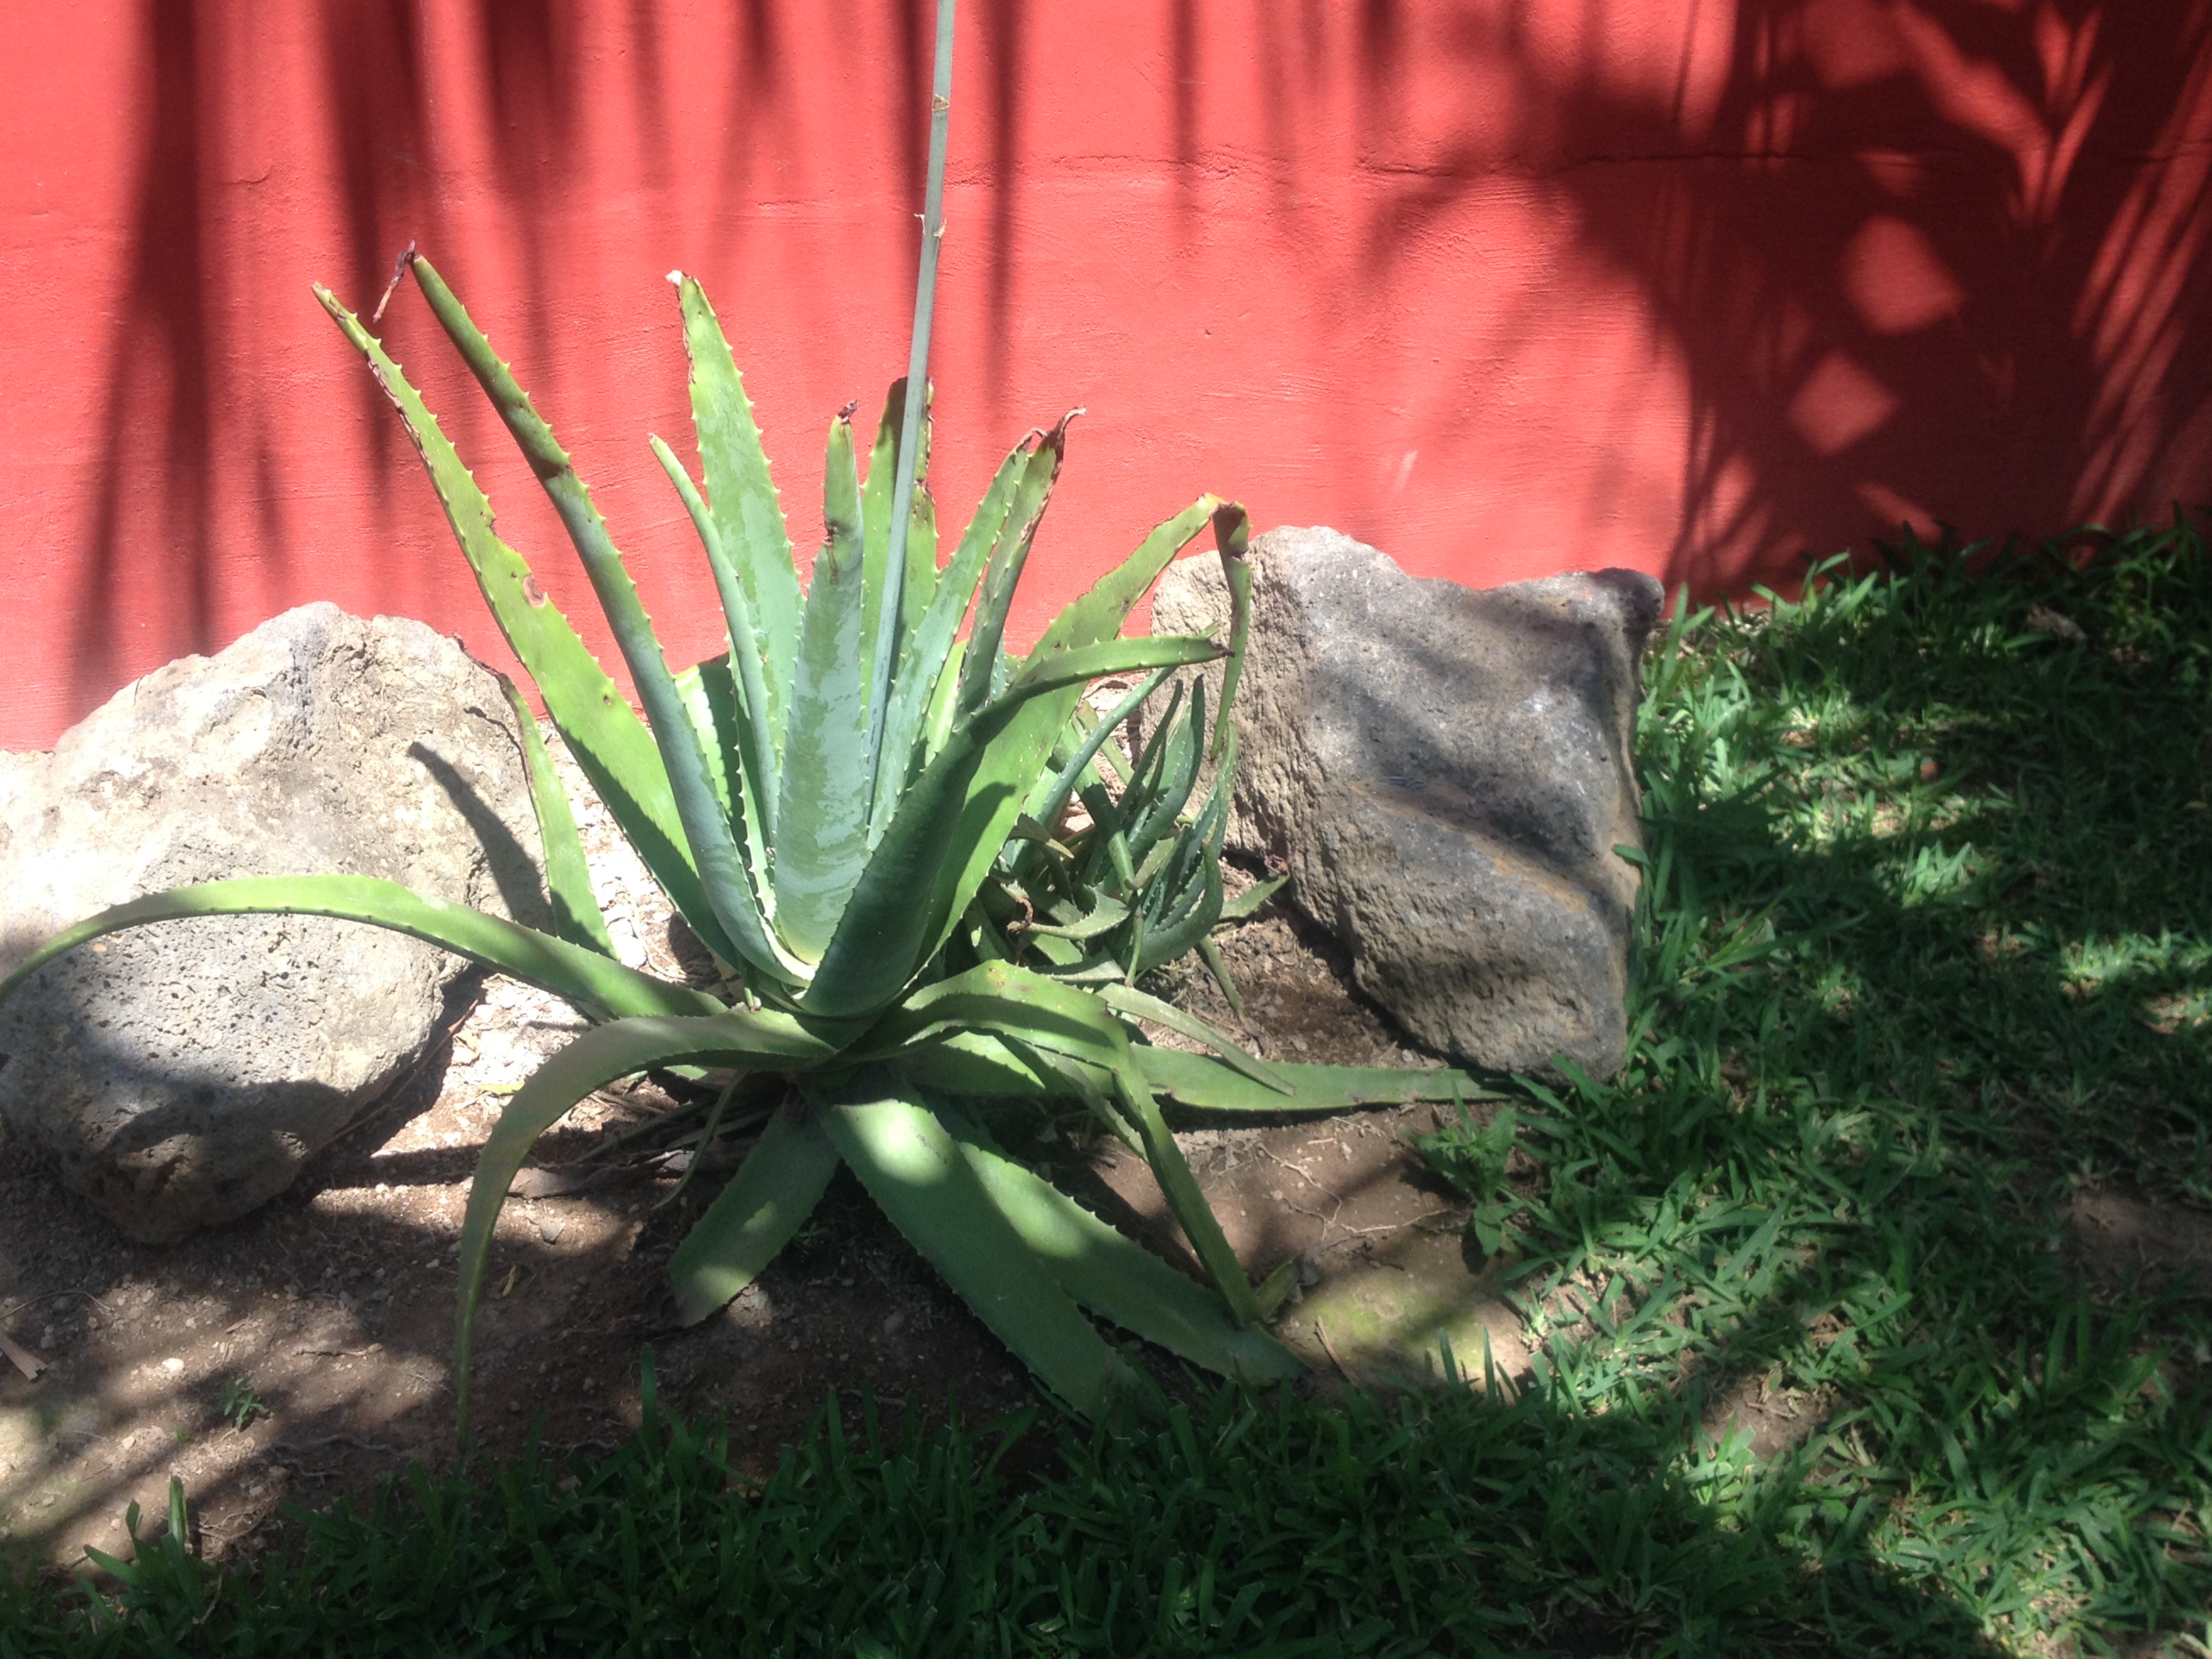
(1925, 947)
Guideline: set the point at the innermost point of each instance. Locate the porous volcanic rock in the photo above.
(1445, 772)
(179, 1074)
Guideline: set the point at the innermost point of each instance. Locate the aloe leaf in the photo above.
(768, 1200)
(1116, 1277)
(919, 592)
(1100, 611)
(924, 1183)
(757, 737)
(714, 850)
(1137, 1006)
(1009, 554)
(1178, 776)
(1028, 1008)
(711, 699)
(1210, 953)
(1106, 913)
(1202, 1082)
(1179, 1188)
(1245, 904)
(576, 914)
(1046, 803)
(743, 501)
(733, 1037)
(823, 818)
(980, 1063)
(915, 589)
(1081, 664)
(606, 736)
(999, 995)
(1232, 535)
(885, 935)
(1181, 929)
(996, 793)
(583, 976)
(924, 690)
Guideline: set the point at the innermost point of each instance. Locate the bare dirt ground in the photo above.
(299, 1353)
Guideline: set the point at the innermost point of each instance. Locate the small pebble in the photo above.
(172, 1364)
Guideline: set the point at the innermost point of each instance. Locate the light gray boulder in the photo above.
(1445, 772)
(179, 1074)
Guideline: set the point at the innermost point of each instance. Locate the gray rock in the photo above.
(179, 1074)
(1445, 772)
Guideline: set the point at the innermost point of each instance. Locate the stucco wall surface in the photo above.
(1505, 287)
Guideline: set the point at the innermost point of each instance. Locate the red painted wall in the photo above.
(1503, 286)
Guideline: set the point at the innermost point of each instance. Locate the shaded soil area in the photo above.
(299, 1353)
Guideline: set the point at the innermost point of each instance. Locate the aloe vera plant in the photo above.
(870, 819)
(888, 872)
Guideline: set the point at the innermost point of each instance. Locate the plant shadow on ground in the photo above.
(1922, 987)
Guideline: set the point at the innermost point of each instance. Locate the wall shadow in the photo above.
(1899, 250)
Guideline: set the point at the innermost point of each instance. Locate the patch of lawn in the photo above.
(1448, 1525)
(1925, 957)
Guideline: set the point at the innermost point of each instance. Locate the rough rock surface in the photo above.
(1445, 772)
(179, 1074)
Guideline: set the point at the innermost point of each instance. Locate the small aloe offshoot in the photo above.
(850, 806)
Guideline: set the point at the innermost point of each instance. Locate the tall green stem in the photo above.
(917, 384)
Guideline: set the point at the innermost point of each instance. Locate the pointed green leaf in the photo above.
(821, 821)
(1137, 1006)
(583, 976)
(1185, 1201)
(980, 1063)
(1105, 913)
(876, 514)
(758, 736)
(598, 1057)
(1052, 794)
(607, 740)
(924, 1183)
(995, 791)
(927, 680)
(576, 914)
(744, 499)
(713, 848)
(715, 706)
(1116, 1277)
(1009, 554)
(1202, 1082)
(1232, 535)
(1247, 903)
(768, 1200)
(919, 590)
(885, 935)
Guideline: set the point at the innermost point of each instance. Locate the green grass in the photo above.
(1926, 950)
(1892, 1019)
